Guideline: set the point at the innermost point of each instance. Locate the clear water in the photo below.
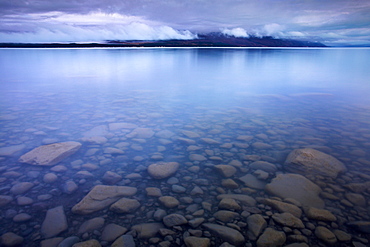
(286, 98)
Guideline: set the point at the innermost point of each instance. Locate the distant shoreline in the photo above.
(98, 45)
(209, 40)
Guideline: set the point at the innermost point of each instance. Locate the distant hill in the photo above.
(203, 40)
(220, 40)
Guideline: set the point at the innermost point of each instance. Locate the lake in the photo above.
(185, 147)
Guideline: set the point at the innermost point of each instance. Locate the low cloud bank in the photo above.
(236, 32)
(95, 27)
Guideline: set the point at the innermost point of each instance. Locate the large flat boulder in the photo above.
(310, 161)
(102, 196)
(48, 155)
(297, 187)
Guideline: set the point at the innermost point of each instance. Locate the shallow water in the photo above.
(284, 99)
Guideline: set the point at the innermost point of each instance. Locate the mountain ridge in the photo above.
(203, 40)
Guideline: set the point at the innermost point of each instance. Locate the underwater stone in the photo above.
(10, 239)
(147, 230)
(225, 215)
(9, 151)
(244, 199)
(21, 188)
(297, 187)
(112, 232)
(310, 161)
(190, 134)
(226, 233)
(263, 165)
(102, 196)
(319, 214)
(111, 177)
(124, 240)
(141, 133)
(325, 235)
(91, 225)
(118, 126)
(48, 155)
(287, 219)
(174, 220)
(88, 243)
(283, 207)
(4, 200)
(256, 224)
(252, 182)
(226, 170)
(125, 205)
(163, 169)
(54, 223)
(271, 238)
(169, 201)
(197, 242)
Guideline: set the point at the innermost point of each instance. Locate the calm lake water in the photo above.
(130, 108)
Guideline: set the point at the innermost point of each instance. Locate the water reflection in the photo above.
(216, 112)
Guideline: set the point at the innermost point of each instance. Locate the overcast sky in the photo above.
(332, 22)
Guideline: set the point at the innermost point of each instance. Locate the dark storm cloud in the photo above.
(73, 20)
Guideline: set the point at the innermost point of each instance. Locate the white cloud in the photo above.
(273, 29)
(236, 32)
(94, 27)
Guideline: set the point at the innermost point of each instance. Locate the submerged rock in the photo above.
(226, 233)
(256, 224)
(9, 151)
(88, 243)
(119, 126)
(319, 214)
(4, 200)
(102, 196)
(310, 161)
(147, 230)
(174, 220)
(356, 199)
(325, 235)
(252, 182)
(225, 215)
(197, 242)
(263, 165)
(297, 187)
(287, 219)
(91, 225)
(244, 199)
(21, 188)
(10, 239)
(54, 223)
(169, 201)
(48, 155)
(141, 133)
(226, 170)
(125, 205)
(271, 238)
(112, 232)
(124, 240)
(163, 169)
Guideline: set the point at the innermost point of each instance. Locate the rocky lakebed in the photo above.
(143, 174)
